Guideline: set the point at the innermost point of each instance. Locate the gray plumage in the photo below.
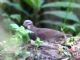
(44, 33)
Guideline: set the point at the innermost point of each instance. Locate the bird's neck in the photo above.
(30, 27)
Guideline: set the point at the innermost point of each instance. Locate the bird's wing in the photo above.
(49, 33)
(44, 33)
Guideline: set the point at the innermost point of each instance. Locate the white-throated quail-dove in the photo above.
(43, 33)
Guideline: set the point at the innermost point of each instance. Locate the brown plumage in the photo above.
(44, 33)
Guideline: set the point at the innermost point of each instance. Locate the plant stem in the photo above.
(68, 9)
(36, 16)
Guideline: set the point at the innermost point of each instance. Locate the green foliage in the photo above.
(21, 32)
(9, 19)
(16, 6)
(14, 26)
(2, 1)
(22, 53)
(7, 25)
(62, 14)
(16, 16)
(69, 23)
(62, 4)
(38, 42)
(69, 41)
(13, 44)
(20, 35)
(35, 4)
(68, 15)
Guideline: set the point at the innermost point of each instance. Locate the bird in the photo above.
(44, 34)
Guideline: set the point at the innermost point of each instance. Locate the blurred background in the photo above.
(62, 15)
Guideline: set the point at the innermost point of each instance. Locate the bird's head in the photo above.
(28, 23)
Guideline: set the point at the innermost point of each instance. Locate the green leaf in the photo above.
(70, 41)
(22, 31)
(3, 1)
(38, 42)
(60, 24)
(16, 16)
(61, 4)
(14, 26)
(51, 22)
(17, 6)
(62, 14)
(29, 2)
(34, 3)
(39, 3)
(70, 27)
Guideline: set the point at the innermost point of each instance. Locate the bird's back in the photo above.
(46, 34)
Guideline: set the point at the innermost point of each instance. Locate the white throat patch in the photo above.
(28, 26)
